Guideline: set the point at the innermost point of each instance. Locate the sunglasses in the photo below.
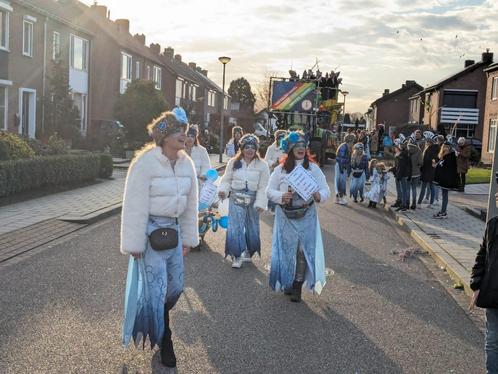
(250, 146)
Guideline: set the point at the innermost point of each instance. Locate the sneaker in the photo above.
(246, 257)
(337, 200)
(440, 216)
(413, 207)
(342, 202)
(436, 203)
(236, 262)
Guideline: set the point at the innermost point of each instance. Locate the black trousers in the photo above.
(461, 180)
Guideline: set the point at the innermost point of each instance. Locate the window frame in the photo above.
(86, 45)
(56, 54)
(137, 69)
(157, 77)
(32, 35)
(4, 121)
(494, 89)
(6, 33)
(493, 123)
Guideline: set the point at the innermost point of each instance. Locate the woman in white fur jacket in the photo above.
(246, 177)
(160, 193)
(197, 152)
(274, 153)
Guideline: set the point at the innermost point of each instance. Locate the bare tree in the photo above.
(262, 89)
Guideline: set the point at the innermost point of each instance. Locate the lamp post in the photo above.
(344, 93)
(224, 60)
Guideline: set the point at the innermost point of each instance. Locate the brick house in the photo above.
(34, 34)
(490, 114)
(456, 104)
(393, 108)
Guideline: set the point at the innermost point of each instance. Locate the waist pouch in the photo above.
(242, 199)
(357, 174)
(296, 212)
(164, 238)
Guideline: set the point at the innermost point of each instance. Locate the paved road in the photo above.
(62, 310)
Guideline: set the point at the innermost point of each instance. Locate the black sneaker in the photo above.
(404, 208)
(413, 207)
(440, 216)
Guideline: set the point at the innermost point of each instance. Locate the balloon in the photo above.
(211, 175)
(224, 222)
(203, 206)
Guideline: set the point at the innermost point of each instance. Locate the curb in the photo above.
(478, 213)
(103, 213)
(440, 256)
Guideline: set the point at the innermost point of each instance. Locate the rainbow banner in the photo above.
(289, 96)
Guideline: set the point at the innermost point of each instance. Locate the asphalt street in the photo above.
(62, 309)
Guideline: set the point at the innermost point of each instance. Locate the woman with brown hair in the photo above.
(160, 197)
(244, 182)
(197, 152)
(445, 176)
(297, 249)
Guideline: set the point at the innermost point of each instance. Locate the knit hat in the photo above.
(237, 129)
(193, 131)
(350, 138)
(461, 141)
(167, 124)
(359, 146)
(280, 133)
(291, 140)
(249, 139)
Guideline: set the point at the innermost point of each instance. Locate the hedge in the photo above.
(27, 174)
(13, 147)
(106, 165)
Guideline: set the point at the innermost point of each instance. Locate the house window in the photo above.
(178, 92)
(126, 73)
(494, 89)
(157, 77)
(56, 45)
(3, 107)
(137, 69)
(492, 135)
(211, 98)
(225, 103)
(149, 74)
(193, 93)
(4, 29)
(79, 53)
(27, 39)
(80, 101)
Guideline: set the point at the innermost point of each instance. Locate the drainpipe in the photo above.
(44, 74)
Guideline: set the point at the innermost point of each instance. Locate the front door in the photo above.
(27, 108)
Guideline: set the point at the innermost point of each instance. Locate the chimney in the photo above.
(469, 63)
(192, 65)
(123, 25)
(199, 69)
(169, 53)
(409, 83)
(178, 58)
(100, 10)
(487, 57)
(204, 72)
(386, 92)
(140, 38)
(156, 48)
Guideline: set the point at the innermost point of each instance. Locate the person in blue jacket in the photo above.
(343, 168)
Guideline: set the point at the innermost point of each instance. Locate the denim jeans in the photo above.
(430, 188)
(444, 204)
(412, 185)
(402, 190)
(491, 345)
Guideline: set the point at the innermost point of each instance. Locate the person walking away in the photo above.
(439, 141)
(197, 152)
(429, 155)
(446, 176)
(359, 172)
(160, 196)
(244, 182)
(463, 152)
(297, 248)
(343, 168)
(374, 143)
(232, 147)
(378, 189)
(484, 283)
(402, 171)
(416, 159)
(274, 153)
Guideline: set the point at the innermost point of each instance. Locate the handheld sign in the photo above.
(230, 150)
(208, 194)
(303, 182)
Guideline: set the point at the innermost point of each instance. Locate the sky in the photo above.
(375, 44)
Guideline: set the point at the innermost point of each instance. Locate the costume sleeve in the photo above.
(261, 199)
(324, 189)
(226, 180)
(135, 211)
(273, 190)
(205, 161)
(479, 267)
(270, 152)
(188, 219)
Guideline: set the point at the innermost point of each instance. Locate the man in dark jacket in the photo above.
(402, 172)
(484, 283)
(427, 171)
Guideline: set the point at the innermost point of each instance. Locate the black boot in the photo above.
(168, 357)
(296, 292)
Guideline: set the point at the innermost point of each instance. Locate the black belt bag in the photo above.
(357, 174)
(164, 238)
(297, 212)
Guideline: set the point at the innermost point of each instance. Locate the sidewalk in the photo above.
(453, 242)
(79, 205)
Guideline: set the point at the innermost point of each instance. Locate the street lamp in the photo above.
(344, 93)
(224, 60)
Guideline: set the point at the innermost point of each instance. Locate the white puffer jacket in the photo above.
(278, 185)
(273, 155)
(200, 156)
(256, 174)
(154, 188)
